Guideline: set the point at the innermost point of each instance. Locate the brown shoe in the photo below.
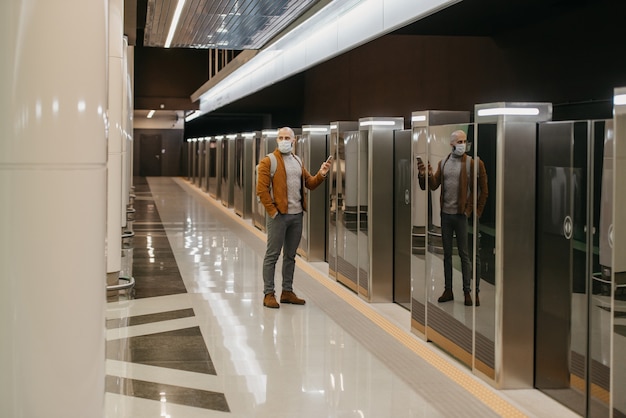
(468, 299)
(446, 296)
(290, 297)
(477, 301)
(270, 301)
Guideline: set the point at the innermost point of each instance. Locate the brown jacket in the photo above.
(279, 185)
(466, 202)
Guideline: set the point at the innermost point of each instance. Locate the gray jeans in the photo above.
(455, 225)
(283, 233)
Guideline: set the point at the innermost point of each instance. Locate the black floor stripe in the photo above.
(167, 393)
(154, 266)
(150, 318)
(181, 349)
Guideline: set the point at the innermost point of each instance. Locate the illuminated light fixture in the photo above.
(315, 129)
(248, 135)
(509, 111)
(418, 118)
(377, 123)
(231, 136)
(192, 115)
(270, 133)
(151, 113)
(333, 127)
(174, 25)
(619, 99)
(219, 137)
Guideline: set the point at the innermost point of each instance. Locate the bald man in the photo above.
(457, 204)
(282, 196)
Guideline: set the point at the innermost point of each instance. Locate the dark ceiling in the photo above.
(505, 22)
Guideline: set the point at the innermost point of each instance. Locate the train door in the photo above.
(573, 306)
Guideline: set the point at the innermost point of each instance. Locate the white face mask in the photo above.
(285, 146)
(459, 149)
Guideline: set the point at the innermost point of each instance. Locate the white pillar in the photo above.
(52, 207)
(130, 62)
(125, 191)
(114, 183)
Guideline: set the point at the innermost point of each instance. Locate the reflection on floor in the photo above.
(193, 340)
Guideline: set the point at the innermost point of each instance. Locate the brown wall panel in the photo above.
(169, 75)
(397, 74)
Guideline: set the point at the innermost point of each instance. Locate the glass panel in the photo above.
(420, 209)
(599, 304)
(449, 323)
(485, 233)
(333, 199)
(347, 209)
(303, 151)
(363, 190)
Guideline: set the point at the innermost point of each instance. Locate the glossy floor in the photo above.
(193, 339)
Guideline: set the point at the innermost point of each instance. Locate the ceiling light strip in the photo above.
(299, 49)
(174, 25)
(509, 111)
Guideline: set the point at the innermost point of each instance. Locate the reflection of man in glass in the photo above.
(455, 174)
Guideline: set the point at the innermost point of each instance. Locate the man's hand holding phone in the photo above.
(325, 168)
(422, 168)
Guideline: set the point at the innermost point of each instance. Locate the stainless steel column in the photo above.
(228, 170)
(375, 236)
(244, 170)
(202, 142)
(188, 145)
(312, 149)
(206, 165)
(513, 189)
(421, 121)
(336, 190)
(216, 171)
(402, 163)
(194, 159)
(212, 157)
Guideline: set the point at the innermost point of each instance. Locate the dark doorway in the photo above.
(150, 162)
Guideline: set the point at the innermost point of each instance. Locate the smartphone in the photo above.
(329, 159)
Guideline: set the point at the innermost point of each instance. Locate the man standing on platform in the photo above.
(281, 180)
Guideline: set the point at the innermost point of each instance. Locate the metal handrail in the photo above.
(130, 284)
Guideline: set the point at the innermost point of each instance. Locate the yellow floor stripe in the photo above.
(485, 394)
